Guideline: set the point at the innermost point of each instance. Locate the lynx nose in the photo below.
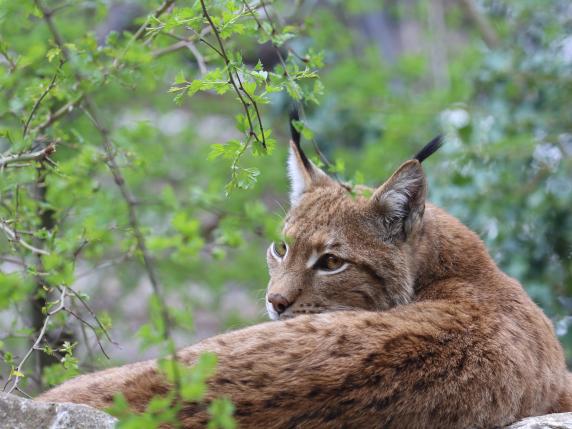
(279, 303)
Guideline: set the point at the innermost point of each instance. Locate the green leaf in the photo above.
(221, 411)
(180, 78)
(53, 53)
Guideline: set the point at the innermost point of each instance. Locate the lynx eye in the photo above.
(279, 249)
(329, 262)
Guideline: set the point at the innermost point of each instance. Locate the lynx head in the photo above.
(344, 249)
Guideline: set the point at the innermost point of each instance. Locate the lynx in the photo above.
(415, 325)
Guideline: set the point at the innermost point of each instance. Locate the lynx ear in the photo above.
(401, 201)
(302, 172)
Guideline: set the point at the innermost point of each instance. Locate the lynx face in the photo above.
(342, 251)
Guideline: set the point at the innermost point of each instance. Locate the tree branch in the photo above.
(39, 100)
(17, 374)
(68, 107)
(38, 155)
(92, 113)
(283, 63)
(141, 31)
(237, 88)
(11, 62)
(14, 237)
(58, 114)
(181, 44)
(90, 326)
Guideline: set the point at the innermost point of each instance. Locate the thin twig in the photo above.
(23, 393)
(117, 63)
(14, 237)
(237, 88)
(12, 261)
(38, 155)
(182, 44)
(160, 11)
(103, 265)
(92, 113)
(90, 326)
(198, 57)
(284, 66)
(168, 49)
(39, 100)
(139, 33)
(92, 314)
(270, 35)
(139, 238)
(18, 370)
(9, 59)
(58, 114)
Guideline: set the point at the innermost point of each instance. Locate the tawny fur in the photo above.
(442, 338)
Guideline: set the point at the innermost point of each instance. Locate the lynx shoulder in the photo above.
(391, 314)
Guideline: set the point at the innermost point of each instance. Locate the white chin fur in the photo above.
(271, 312)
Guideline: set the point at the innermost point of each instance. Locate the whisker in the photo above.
(281, 206)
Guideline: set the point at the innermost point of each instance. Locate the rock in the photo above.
(549, 421)
(20, 413)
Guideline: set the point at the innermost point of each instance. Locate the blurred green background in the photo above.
(495, 77)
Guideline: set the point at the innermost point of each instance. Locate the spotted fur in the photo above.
(428, 332)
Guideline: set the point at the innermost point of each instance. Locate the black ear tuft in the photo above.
(429, 149)
(295, 116)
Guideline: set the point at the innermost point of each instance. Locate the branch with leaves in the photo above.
(234, 79)
(251, 86)
(16, 374)
(93, 114)
(14, 237)
(24, 159)
(65, 108)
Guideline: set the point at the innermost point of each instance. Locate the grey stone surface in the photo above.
(549, 421)
(20, 413)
